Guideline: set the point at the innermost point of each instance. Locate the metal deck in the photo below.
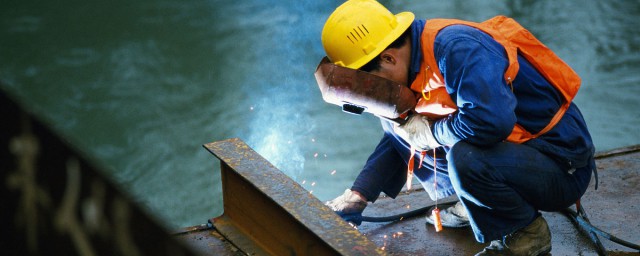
(612, 208)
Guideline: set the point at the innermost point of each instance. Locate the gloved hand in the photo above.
(347, 204)
(417, 132)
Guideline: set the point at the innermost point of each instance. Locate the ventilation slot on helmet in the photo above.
(357, 34)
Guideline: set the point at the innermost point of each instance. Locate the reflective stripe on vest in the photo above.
(515, 39)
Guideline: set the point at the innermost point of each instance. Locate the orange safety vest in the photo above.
(436, 102)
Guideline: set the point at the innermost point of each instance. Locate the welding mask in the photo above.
(358, 91)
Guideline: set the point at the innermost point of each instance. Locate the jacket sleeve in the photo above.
(473, 66)
(385, 170)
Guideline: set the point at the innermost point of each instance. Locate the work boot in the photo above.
(534, 239)
(452, 216)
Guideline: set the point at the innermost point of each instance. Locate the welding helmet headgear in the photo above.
(359, 30)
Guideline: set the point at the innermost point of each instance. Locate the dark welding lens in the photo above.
(352, 109)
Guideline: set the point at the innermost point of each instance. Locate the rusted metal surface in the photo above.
(54, 201)
(630, 150)
(206, 240)
(267, 213)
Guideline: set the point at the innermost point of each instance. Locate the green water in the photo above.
(141, 85)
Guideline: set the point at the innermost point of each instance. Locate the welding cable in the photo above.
(592, 235)
(604, 234)
(583, 223)
(409, 214)
(356, 218)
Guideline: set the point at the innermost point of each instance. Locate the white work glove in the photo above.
(417, 132)
(347, 203)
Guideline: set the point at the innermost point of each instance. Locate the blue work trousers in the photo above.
(502, 186)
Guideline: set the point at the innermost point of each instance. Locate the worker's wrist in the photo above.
(364, 199)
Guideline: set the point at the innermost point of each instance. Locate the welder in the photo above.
(506, 138)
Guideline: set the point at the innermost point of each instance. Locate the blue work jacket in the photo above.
(473, 65)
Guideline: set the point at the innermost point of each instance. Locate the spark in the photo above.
(311, 192)
(385, 242)
(333, 172)
(315, 155)
(304, 181)
(313, 140)
(251, 108)
(313, 183)
(408, 206)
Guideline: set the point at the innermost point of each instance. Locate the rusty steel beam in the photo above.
(267, 213)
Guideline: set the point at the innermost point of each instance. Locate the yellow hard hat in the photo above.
(359, 30)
